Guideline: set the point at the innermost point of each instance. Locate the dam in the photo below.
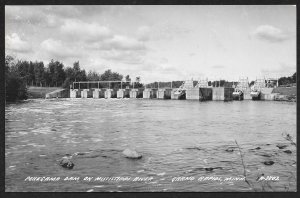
(187, 91)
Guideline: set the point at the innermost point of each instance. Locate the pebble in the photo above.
(229, 150)
(268, 163)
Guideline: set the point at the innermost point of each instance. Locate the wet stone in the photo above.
(288, 151)
(132, 154)
(209, 169)
(281, 146)
(66, 162)
(268, 163)
(229, 150)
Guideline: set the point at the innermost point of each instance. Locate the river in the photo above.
(177, 138)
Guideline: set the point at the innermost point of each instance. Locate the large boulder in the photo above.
(131, 154)
(66, 162)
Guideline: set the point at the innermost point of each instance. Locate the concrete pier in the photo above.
(107, 93)
(73, 93)
(246, 94)
(133, 93)
(120, 93)
(222, 93)
(96, 93)
(266, 94)
(147, 93)
(161, 93)
(84, 93)
(192, 94)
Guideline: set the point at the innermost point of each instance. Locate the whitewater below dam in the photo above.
(178, 140)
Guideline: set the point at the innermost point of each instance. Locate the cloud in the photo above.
(55, 49)
(14, 43)
(126, 57)
(218, 66)
(160, 31)
(144, 33)
(120, 42)
(271, 34)
(91, 32)
(31, 15)
(121, 49)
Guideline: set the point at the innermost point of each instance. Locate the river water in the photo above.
(177, 138)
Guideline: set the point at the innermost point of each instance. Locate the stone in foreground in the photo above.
(66, 163)
(132, 154)
(288, 151)
(268, 163)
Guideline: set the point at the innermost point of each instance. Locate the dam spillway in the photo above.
(201, 92)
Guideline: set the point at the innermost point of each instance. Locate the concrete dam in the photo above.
(186, 91)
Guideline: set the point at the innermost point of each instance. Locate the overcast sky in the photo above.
(158, 42)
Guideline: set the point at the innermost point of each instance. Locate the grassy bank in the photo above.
(285, 90)
(286, 94)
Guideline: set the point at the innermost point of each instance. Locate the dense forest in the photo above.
(20, 74)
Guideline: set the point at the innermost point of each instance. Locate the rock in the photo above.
(131, 154)
(288, 151)
(281, 146)
(269, 163)
(66, 163)
(257, 148)
(209, 169)
(229, 150)
(266, 155)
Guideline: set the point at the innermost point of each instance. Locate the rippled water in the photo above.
(176, 139)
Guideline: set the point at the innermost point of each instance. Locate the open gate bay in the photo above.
(177, 145)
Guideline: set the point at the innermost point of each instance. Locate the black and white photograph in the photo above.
(150, 98)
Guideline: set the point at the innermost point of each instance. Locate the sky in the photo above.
(158, 43)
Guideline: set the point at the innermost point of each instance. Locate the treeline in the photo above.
(20, 74)
(55, 74)
(288, 80)
(15, 87)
